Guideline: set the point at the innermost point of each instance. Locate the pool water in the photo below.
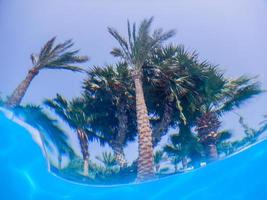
(24, 175)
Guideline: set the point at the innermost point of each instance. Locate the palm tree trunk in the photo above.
(184, 163)
(86, 167)
(162, 127)
(117, 144)
(83, 140)
(18, 94)
(157, 168)
(212, 151)
(145, 168)
(119, 154)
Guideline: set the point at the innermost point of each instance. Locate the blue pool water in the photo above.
(24, 175)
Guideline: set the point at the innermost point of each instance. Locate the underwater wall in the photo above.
(24, 175)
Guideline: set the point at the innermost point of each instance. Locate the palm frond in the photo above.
(48, 127)
(58, 56)
(140, 44)
(239, 91)
(107, 159)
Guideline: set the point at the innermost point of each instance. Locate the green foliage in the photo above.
(224, 95)
(105, 172)
(73, 113)
(47, 126)
(108, 160)
(158, 156)
(158, 159)
(169, 74)
(109, 96)
(251, 136)
(58, 56)
(227, 147)
(139, 45)
(237, 92)
(184, 145)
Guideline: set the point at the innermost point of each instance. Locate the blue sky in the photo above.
(230, 33)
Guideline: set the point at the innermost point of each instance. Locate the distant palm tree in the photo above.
(184, 146)
(73, 114)
(108, 92)
(136, 51)
(48, 128)
(51, 56)
(175, 160)
(108, 167)
(251, 134)
(158, 158)
(107, 159)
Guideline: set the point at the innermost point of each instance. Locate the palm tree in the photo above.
(135, 52)
(51, 56)
(108, 92)
(222, 96)
(108, 160)
(173, 87)
(183, 84)
(108, 169)
(158, 158)
(175, 160)
(184, 146)
(73, 114)
(48, 128)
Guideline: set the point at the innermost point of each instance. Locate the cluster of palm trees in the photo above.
(152, 89)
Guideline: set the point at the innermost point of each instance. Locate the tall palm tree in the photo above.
(73, 114)
(135, 52)
(51, 56)
(222, 96)
(108, 92)
(48, 128)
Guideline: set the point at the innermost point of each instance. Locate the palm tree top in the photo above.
(139, 45)
(107, 159)
(73, 113)
(236, 92)
(58, 56)
(70, 111)
(48, 127)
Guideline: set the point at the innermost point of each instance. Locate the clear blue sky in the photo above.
(230, 33)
